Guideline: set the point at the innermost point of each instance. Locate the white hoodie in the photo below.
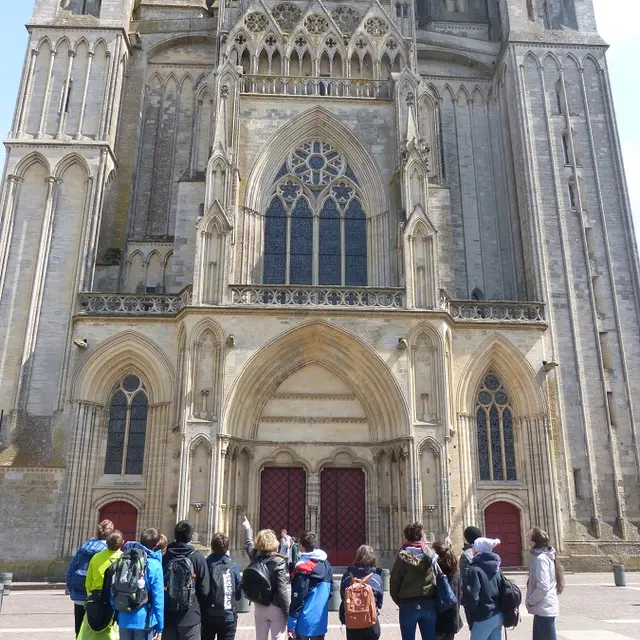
(542, 595)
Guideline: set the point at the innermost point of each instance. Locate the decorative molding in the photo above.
(313, 396)
(125, 304)
(311, 420)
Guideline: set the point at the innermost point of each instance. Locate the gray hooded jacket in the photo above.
(542, 596)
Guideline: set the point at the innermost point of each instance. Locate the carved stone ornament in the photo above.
(376, 27)
(256, 21)
(346, 18)
(316, 24)
(287, 15)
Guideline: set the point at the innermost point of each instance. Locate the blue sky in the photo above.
(617, 22)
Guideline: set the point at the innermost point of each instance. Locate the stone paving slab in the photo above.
(592, 609)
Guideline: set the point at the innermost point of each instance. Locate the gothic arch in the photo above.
(431, 443)
(321, 124)
(118, 496)
(354, 461)
(67, 161)
(26, 163)
(270, 459)
(496, 351)
(115, 357)
(333, 348)
(203, 439)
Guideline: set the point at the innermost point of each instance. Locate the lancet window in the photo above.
(494, 417)
(127, 429)
(315, 224)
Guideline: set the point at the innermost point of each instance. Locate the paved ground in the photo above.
(592, 609)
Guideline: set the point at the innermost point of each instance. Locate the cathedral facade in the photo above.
(335, 265)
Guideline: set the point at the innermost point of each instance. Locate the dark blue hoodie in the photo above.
(483, 580)
(375, 582)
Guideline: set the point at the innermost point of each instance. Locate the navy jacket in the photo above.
(483, 580)
(375, 582)
(77, 571)
(215, 559)
(311, 586)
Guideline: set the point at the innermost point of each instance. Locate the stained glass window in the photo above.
(494, 422)
(275, 243)
(127, 429)
(315, 228)
(301, 252)
(330, 250)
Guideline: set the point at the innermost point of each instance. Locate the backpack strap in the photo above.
(366, 578)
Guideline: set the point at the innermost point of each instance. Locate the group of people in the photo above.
(141, 590)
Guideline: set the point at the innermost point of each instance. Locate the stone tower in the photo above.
(292, 259)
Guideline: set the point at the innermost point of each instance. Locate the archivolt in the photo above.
(323, 125)
(333, 348)
(115, 357)
(517, 374)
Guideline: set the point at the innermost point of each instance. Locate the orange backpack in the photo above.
(359, 604)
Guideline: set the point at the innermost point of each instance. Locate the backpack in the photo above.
(359, 604)
(129, 583)
(179, 583)
(79, 577)
(256, 582)
(221, 600)
(98, 608)
(510, 600)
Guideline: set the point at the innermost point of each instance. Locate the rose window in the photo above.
(256, 21)
(287, 15)
(376, 27)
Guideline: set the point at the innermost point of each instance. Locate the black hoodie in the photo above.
(483, 580)
(191, 617)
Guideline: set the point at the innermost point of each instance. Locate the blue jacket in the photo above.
(483, 581)
(375, 582)
(154, 578)
(77, 571)
(214, 559)
(311, 586)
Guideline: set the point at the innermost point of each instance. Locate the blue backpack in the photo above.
(79, 578)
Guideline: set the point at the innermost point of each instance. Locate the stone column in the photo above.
(313, 501)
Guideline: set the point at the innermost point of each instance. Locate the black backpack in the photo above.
(222, 597)
(510, 600)
(98, 608)
(129, 582)
(256, 582)
(179, 583)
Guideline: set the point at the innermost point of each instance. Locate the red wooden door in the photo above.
(283, 499)
(124, 516)
(502, 520)
(342, 514)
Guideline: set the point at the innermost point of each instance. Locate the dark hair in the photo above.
(446, 558)
(471, 534)
(219, 544)
(183, 531)
(541, 540)
(365, 557)
(308, 540)
(114, 540)
(150, 538)
(413, 532)
(104, 529)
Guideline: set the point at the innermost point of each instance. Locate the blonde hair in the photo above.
(266, 541)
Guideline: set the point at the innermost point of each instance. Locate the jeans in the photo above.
(421, 613)
(78, 614)
(544, 628)
(136, 634)
(272, 619)
(182, 633)
(370, 633)
(490, 629)
(219, 628)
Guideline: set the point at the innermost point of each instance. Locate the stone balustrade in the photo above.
(133, 304)
(492, 310)
(310, 296)
(316, 86)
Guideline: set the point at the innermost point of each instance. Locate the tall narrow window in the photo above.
(494, 421)
(315, 226)
(127, 429)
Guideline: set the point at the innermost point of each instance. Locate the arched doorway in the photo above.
(342, 513)
(502, 520)
(124, 516)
